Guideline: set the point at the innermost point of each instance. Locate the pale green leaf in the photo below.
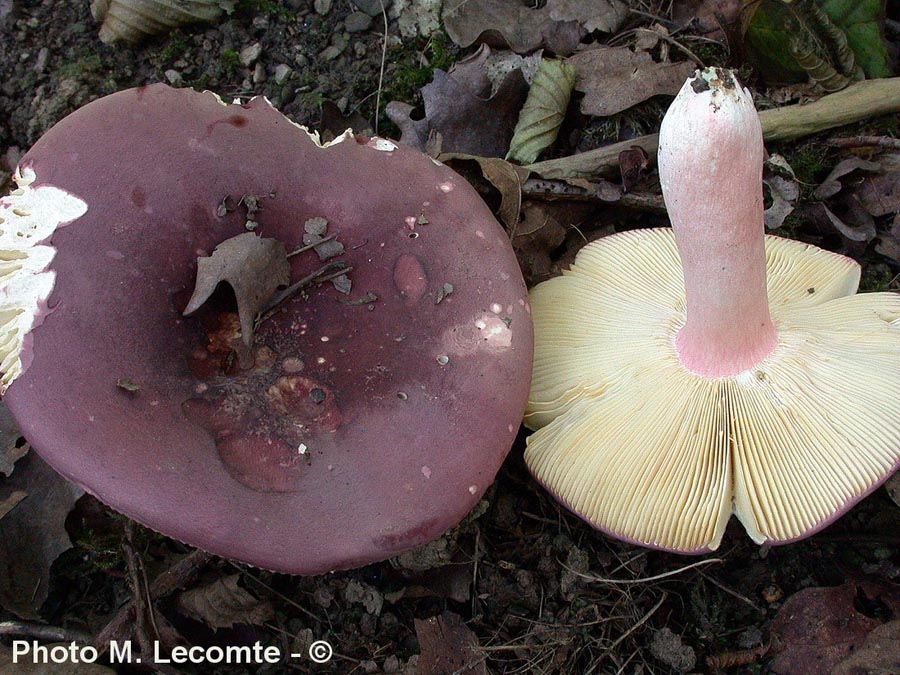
(543, 112)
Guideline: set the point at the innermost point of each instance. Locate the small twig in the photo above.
(309, 247)
(884, 142)
(41, 632)
(324, 273)
(249, 575)
(732, 593)
(643, 580)
(381, 71)
(143, 602)
(177, 576)
(558, 190)
(640, 623)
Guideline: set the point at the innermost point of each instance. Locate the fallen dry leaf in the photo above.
(784, 194)
(507, 178)
(525, 27)
(536, 237)
(616, 78)
(879, 193)
(879, 654)
(460, 106)
(817, 628)
(448, 647)
(832, 184)
(223, 603)
(633, 164)
(33, 533)
(715, 19)
(254, 267)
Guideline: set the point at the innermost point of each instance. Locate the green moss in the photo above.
(85, 64)
(811, 161)
(175, 48)
(230, 59)
(410, 67)
(877, 277)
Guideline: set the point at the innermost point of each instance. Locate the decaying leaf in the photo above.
(448, 646)
(633, 162)
(714, 19)
(831, 42)
(223, 603)
(832, 185)
(879, 654)
(864, 231)
(33, 533)
(862, 21)
(817, 628)
(462, 106)
(543, 112)
(616, 78)
(879, 193)
(525, 27)
(254, 267)
(535, 238)
(505, 177)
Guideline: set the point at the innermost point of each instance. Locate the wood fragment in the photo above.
(857, 102)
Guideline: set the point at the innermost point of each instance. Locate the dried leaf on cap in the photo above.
(253, 266)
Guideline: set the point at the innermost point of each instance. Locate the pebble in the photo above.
(174, 77)
(40, 63)
(372, 7)
(282, 72)
(335, 49)
(357, 22)
(249, 54)
(322, 7)
(259, 73)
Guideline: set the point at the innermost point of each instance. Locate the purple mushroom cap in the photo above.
(357, 425)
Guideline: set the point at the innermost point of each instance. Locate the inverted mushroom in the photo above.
(355, 425)
(684, 375)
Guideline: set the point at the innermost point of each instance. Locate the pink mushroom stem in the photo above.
(710, 166)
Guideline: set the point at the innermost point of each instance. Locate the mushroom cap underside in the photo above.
(649, 452)
(361, 425)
